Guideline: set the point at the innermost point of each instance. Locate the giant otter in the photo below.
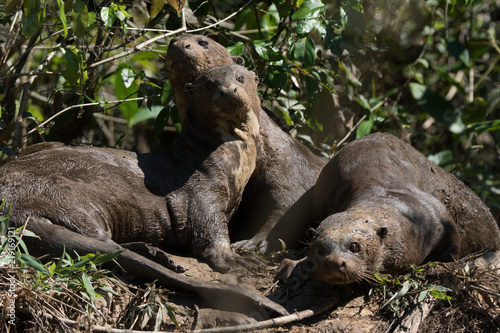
(181, 198)
(285, 169)
(384, 206)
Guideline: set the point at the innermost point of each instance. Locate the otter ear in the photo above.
(239, 60)
(188, 88)
(382, 232)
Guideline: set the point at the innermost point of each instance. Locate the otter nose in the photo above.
(335, 262)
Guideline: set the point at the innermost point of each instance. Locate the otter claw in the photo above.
(251, 245)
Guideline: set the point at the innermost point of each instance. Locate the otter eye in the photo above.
(354, 247)
(203, 43)
(209, 84)
(240, 79)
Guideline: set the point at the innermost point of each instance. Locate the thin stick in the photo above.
(81, 106)
(135, 48)
(283, 320)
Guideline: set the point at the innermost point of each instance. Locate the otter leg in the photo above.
(55, 238)
(209, 239)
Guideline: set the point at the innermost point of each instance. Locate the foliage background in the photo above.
(426, 71)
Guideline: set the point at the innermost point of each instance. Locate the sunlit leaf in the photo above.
(442, 158)
(108, 16)
(305, 50)
(156, 7)
(32, 262)
(177, 5)
(236, 49)
(365, 127)
(128, 77)
(88, 286)
(62, 16)
(309, 10)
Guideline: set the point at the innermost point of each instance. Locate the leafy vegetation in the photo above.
(74, 285)
(399, 292)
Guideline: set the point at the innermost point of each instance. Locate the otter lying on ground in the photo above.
(285, 169)
(179, 199)
(384, 206)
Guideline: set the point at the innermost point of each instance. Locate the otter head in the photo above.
(225, 98)
(187, 57)
(351, 246)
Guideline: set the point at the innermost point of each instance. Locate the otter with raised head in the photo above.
(285, 169)
(179, 199)
(384, 206)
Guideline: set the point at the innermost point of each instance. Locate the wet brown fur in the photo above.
(398, 207)
(181, 198)
(285, 169)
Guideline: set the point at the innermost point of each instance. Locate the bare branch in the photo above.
(136, 48)
(82, 106)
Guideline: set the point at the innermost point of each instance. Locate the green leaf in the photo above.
(12, 6)
(459, 51)
(82, 263)
(161, 120)
(285, 9)
(31, 261)
(156, 7)
(309, 10)
(62, 17)
(79, 18)
(365, 127)
(400, 294)
(283, 245)
(108, 16)
(304, 27)
(104, 258)
(145, 114)
(489, 125)
(108, 289)
(312, 88)
(71, 73)
(439, 295)
(88, 286)
(21, 243)
(33, 17)
(128, 77)
(267, 51)
(277, 77)
(171, 314)
(236, 49)
(343, 17)
(305, 50)
(438, 107)
(442, 158)
(422, 295)
(29, 233)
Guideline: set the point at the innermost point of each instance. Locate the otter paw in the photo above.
(235, 263)
(251, 245)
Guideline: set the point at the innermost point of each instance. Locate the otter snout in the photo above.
(335, 265)
(326, 257)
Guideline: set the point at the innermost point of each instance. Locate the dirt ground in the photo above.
(474, 305)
